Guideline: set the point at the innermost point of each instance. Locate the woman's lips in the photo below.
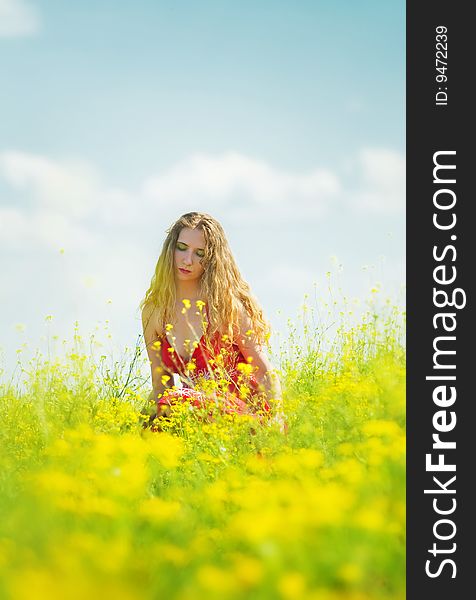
(184, 270)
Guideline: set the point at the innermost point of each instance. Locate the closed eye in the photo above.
(182, 247)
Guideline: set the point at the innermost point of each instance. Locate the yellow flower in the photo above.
(164, 379)
(246, 369)
(158, 510)
(200, 304)
(350, 573)
(248, 571)
(186, 303)
(380, 427)
(173, 554)
(244, 392)
(215, 580)
(167, 448)
(292, 585)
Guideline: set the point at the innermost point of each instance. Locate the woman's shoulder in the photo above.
(150, 319)
(149, 309)
(250, 323)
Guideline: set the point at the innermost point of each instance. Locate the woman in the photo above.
(203, 328)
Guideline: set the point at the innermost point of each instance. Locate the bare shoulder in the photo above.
(149, 319)
(248, 343)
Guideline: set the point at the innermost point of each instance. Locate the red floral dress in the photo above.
(205, 364)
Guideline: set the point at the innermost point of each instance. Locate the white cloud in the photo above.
(57, 231)
(70, 187)
(66, 203)
(60, 202)
(59, 196)
(244, 187)
(383, 181)
(14, 226)
(31, 231)
(18, 18)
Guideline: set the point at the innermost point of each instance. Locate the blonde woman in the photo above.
(201, 324)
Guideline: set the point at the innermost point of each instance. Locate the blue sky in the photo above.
(284, 120)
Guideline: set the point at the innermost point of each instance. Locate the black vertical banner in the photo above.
(441, 237)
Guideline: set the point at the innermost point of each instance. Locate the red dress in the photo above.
(204, 359)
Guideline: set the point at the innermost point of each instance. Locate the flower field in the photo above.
(94, 505)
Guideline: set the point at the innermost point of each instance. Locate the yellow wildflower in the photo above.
(246, 369)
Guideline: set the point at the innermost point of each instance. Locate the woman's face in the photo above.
(188, 255)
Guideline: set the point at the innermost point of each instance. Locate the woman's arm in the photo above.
(151, 338)
(265, 373)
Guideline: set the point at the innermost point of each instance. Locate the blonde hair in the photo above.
(221, 284)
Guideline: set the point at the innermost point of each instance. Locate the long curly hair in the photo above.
(221, 285)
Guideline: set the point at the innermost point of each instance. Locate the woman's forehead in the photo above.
(192, 237)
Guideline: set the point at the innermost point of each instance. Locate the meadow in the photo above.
(95, 505)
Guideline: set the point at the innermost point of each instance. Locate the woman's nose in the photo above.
(187, 259)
